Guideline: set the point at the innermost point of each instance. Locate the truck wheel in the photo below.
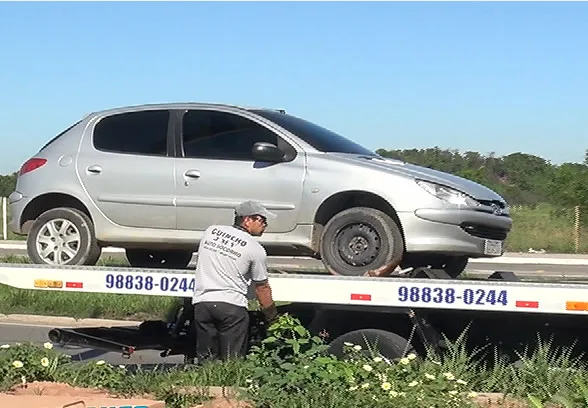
(62, 236)
(171, 259)
(360, 239)
(452, 265)
(373, 342)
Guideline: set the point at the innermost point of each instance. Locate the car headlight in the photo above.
(447, 194)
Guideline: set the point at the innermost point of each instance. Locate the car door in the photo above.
(126, 170)
(217, 172)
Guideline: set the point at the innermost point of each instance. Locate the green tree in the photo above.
(7, 184)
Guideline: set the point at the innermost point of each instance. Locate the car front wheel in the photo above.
(360, 239)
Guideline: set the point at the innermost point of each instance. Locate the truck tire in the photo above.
(163, 259)
(360, 239)
(63, 228)
(388, 345)
(452, 265)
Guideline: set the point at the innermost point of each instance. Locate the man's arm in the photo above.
(263, 290)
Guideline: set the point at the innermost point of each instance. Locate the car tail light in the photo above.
(31, 164)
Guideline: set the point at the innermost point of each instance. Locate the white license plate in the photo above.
(492, 247)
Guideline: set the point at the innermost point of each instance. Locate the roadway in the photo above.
(528, 266)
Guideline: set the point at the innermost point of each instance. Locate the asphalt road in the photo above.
(562, 268)
(11, 333)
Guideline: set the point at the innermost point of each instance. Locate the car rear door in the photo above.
(126, 170)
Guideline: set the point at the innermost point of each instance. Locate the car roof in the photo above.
(176, 105)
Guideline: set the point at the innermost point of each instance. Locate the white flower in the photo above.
(122, 366)
(357, 347)
(378, 359)
(413, 384)
(365, 385)
(48, 345)
(404, 361)
(449, 376)
(386, 386)
(367, 368)
(5, 346)
(100, 362)
(17, 364)
(411, 356)
(393, 394)
(453, 392)
(45, 362)
(472, 394)
(307, 367)
(429, 376)
(462, 382)
(353, 388)
(348, 344)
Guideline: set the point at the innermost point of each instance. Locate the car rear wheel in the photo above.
(168, 259)
(360, 239)
(63, 236)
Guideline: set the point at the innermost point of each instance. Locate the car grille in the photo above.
(482, 231)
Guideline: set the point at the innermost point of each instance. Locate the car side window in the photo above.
(140, 133)
(223, 136)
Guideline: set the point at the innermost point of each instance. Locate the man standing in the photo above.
(229, 260)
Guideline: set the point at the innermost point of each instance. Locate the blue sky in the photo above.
(496, 76)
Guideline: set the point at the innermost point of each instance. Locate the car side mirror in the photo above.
(263, 151)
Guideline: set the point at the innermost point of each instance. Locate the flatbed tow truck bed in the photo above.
(403, 313)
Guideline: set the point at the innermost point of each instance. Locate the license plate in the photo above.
(492, 247)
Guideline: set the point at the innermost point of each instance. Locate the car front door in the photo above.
(126, 170)
(217, 172)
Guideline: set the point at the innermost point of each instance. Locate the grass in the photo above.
(293, 369)
(542, 227)
(546, 227)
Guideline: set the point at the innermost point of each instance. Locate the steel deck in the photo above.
(447, 294)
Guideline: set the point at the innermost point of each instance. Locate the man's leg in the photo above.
(205, 328)
(233, 330)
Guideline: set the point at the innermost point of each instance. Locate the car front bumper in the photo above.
(455, 232)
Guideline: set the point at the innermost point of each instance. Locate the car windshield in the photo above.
(322, 139)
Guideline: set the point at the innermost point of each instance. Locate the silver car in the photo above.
(151, 178)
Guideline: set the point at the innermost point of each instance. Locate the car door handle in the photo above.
(192, 174)
(95, 169)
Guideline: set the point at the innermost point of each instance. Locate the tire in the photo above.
(389, 345)
(382, 237)
(452, 265)
(145, 258)
(77, 224)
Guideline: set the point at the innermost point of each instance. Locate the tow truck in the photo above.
(409, 311)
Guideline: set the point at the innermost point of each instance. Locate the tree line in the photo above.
(522, 179)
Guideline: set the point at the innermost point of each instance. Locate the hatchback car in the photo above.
(151, 178)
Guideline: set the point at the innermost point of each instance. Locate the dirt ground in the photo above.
(65, 390)
(50, 389)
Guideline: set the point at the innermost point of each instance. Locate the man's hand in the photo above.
(270, 314)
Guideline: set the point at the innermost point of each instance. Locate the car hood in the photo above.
(401, 168)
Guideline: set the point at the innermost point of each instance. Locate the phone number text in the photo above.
(480, 297)
(146, 282)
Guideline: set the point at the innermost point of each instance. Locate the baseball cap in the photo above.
(250, 208)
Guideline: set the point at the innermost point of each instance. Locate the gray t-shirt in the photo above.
(229, 259)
